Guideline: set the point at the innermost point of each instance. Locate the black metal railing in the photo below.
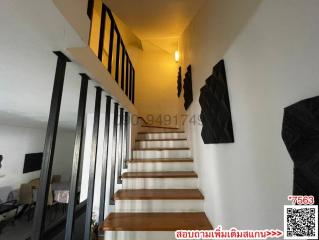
(120, 153)
(108, 45)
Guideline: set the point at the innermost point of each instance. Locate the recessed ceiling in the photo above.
(155, 19)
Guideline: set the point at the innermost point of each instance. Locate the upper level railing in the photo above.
(107, 43)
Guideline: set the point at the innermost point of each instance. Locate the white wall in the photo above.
(271, 55)
(63, 155)
(17, 141)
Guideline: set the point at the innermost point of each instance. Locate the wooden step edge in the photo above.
(157, 132)
(166, 139)
(160, 160)
(158, 194)
(166, 174)
(161, 127)
(156, 222)
(159, 149)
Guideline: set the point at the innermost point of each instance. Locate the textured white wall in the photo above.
(271, 55)
(15, 142)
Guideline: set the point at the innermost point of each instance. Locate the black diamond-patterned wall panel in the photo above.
(215, 114)
(179, 82)
(300, 132)
(188, 88)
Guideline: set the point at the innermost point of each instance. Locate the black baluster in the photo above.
(105, 158)
(76, 158)
(90, 9)
(49, 147)
(133, 87)
(109, 68)
(120, 148)
(117, 60)
(127, 75)
(123, 66)
(127, 139)
(131, 82)
(95, 135)
(114, 150)
(102, 33)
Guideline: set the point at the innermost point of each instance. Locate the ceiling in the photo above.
(159, 21)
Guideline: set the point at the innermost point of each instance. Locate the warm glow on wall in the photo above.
(177, 56)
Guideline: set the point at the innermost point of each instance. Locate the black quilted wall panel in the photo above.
(300, 133)
(214, 101)
(179, 81)
(188, 88)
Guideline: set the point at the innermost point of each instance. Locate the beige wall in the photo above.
(156, 85)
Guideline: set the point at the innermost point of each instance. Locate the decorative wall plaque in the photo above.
(300, 132)
(215, 115)
(188, 88)
(179, 82)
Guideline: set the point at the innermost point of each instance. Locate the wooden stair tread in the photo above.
(156, 222)
(167, 139)
(163, 160)
(156, 132)
(153, 194)
(159, 149)
(167, 174)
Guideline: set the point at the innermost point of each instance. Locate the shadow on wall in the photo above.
(15, 119)
(5, 189)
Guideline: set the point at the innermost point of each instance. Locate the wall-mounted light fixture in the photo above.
(177, 56)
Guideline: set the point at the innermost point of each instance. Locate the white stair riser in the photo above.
(160, 166)
(139, 235)
(161, 136)
(142, 154)
(159, 205)
(160, 183)
(162, 144)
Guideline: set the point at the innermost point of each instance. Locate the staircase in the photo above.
(159, 192)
